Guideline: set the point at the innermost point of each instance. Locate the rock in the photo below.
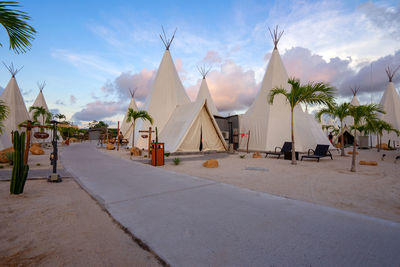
(383, 146)
(110, 147)
(73, 140)
(212, 163)
(338, 145)
(256, 155)
(351, 153)
(370, 163)
(36, 144)
(3, 156)
(135, 151)
(36, 150)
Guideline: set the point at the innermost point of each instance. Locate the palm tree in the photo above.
(360, 114)
(40, 111)
(20, 33)
(133, 115)
(59, 116)
(380, 126)
(4, 110)
(336, 111)
(311, 93)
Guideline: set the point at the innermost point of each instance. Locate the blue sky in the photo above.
(90, 52)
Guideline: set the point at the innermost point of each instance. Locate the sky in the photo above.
(91, 52)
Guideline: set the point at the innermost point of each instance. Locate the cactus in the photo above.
(20, 170)
(156, 135)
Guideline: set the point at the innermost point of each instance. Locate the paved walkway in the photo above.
(190, 221)
(5, 175)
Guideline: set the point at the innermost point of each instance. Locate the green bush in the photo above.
(177, 161)
(242, 156)
(167, 154)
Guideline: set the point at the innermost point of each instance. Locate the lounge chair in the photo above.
(287, 147)
(320, 151)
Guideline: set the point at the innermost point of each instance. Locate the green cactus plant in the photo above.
(156, 135)
(20, 170)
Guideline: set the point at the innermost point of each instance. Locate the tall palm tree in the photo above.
(336, 111)
(4, 110)
(20, 33)
(311, 93)
(40, 111)
(59, 116)
(380, 126)
(360, 114)
(133, 115)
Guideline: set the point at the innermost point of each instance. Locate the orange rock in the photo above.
(36, 150)
(351, 152)
(36, 144)
(3, 156)
(212, 163)
(256, 155)
(110, 147)
(383, 146)
(135, 151)
(370, 163)
(73, 140)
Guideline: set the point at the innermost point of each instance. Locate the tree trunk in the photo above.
(377, 142)
(293, 146)
(133, 134)
(342, 140)
(353, 159)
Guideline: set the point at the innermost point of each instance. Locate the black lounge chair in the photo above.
(287, 147)
(320, 151)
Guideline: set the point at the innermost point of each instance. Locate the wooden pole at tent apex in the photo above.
(117, 139)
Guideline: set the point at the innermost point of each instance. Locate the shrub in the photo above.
(177, 161)
(242, 156)
(167, 154)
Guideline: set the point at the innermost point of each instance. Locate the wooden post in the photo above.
(28, 142)
(149, 142)
(248, 139)
(117, 139)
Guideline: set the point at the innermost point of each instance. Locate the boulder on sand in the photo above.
(110, 147)
(3, 154)
(212, 163)
(370, 163)
(36, 150)
(256, 155)
(135, 151)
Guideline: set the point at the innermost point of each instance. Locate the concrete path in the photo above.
(5, 175)
(190, 221)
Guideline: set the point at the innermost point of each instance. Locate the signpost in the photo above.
(149, 136)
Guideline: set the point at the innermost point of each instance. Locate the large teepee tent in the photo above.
(17, 109)
(391, 104)
(166, 93)
(126, 127)
(349, 121)
(268, 126)
(192, 128)
(204, 93)
(40, 102)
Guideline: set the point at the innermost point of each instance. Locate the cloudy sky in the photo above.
(90, 52)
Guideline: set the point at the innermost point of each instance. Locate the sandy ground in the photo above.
(372, 190)
(60, 225)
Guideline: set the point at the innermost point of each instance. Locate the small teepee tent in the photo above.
(391, 104)
(349, 121)
(268, 126)
(204, 92)
(126, 127)
(166, 93)
(17, 109)
(192, 128)
(40, 102)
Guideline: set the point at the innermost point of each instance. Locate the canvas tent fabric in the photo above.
(166, 93)
(126, 127)
(204, 94)
(269, 125)
(17, 111)
(349, 121)
(189, 125)
(391, 105)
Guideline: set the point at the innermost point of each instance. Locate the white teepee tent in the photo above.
(17, 109)
(166, 93)
(40, 102)
(126, 127)
(391, 104)
(204, 93)
(269, 125)
(349, 121)
(189, 126)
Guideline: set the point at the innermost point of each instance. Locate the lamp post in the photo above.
(54, 177)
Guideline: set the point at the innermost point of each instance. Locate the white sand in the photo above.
(372, 190)
(60, 225)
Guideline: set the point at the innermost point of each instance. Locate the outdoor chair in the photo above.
(287, 147)
(319, 152)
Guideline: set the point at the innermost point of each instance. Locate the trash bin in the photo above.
(157, 154)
